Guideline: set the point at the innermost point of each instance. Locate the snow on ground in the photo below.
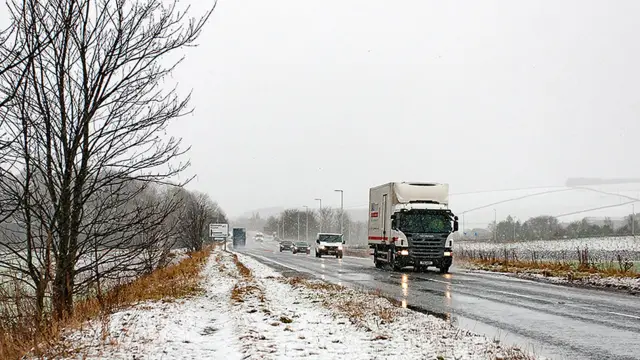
(599, 249)
(193, 328)
(593, 280)
(250, 311)
(327, 324)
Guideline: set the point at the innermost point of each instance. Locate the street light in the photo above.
(320, 212)
(341, 211)
(298, 225)
(306, 236)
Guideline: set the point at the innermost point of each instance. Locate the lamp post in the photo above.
(341, 211)
(298, 225)
(306, 235)
(320, 213)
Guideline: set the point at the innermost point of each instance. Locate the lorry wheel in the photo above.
(392, 262)
(444, 270)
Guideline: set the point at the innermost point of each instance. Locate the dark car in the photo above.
(301, 247)
(286, 245)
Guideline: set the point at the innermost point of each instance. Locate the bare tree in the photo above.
(89, 121)
(199, 211)
(326, 217)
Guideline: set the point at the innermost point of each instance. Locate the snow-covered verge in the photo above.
(325, 321)
(629, 284)
(247, 310)
(199, 327)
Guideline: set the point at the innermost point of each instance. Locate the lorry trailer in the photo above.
(410, 224)
(239, 237)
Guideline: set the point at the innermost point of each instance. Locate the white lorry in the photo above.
(410, 225)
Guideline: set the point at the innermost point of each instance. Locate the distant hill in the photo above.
(264, 212)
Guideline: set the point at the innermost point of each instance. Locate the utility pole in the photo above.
(495, 225)
(463, 234)
(341, 211)
(633, 220)
(306, 236)
(320, 213)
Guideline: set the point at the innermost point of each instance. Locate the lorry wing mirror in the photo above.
(393, 224)
(317, 241)
(455, 225)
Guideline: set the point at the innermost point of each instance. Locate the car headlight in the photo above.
(404, 252)
(447, 253)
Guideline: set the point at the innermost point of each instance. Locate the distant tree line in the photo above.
(292, 224)
(548, 227)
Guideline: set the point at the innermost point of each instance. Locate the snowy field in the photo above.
(598, 249)
(614, 253)
(259, 314)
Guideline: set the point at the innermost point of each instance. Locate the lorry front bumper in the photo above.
(405, 259)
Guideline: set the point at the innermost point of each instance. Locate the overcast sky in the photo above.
(296, 98)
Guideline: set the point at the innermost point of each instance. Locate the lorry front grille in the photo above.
(427, 248)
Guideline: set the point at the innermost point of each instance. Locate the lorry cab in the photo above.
(329, 244)
(410, 225)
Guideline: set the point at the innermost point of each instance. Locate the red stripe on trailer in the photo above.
(380, 238)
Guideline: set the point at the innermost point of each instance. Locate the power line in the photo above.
(516, 199)
(596, 208)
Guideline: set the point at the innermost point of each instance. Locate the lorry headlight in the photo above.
(321, 247)
(447, 253)
(339, 247)
(404, 252)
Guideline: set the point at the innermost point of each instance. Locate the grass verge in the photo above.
(247, 285)
(24, 335)
(357, 306)
(571, 271)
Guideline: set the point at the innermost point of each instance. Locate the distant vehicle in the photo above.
(258, 237)
(329, 244)
(301, 247)
(286, 245)
(409, 225)
(239, 237)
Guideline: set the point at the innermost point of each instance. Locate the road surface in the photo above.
(553, 321)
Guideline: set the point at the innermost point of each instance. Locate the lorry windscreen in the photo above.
(329, 238)
(421, 222)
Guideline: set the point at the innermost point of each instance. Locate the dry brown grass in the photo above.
(243, 270)
(570, 271)
(247, 287)
(355, 308)
(20, 335)
(514, 353)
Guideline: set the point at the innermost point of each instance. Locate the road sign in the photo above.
(218, 231)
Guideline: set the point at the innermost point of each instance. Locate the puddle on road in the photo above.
(356, 277)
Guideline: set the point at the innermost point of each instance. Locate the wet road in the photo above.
(553, 321)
